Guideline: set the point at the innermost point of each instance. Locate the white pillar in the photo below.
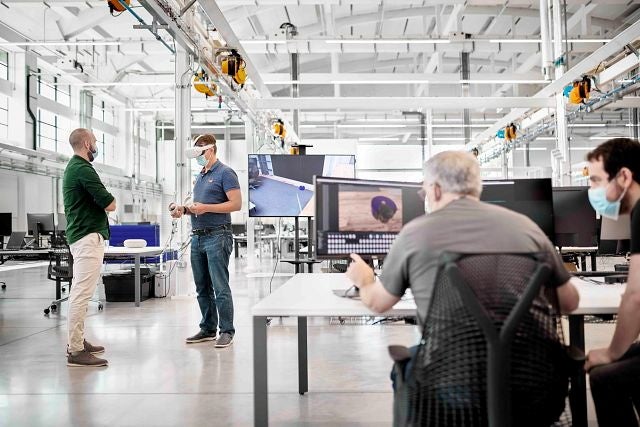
(183, 75)
(429, 133)
(562, 137)
(250, 139)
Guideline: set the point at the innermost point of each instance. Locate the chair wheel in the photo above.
(4, 286)
(46, 311)
(54, 307)
(64, 289)
(100, 307)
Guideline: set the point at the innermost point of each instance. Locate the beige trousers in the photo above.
(88, 254)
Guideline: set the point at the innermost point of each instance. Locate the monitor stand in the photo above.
(36, 236)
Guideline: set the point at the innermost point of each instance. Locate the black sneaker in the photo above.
(225, 340)
(201, 336)
(85, 359)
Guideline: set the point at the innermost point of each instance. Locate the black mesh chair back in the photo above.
(60, 261)
(492, 349)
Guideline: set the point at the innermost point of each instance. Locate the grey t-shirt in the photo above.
(466, 226)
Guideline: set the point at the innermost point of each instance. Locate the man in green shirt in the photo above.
(86, 202)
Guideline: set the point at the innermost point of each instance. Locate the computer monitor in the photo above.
(574, 218)
(282, 185)
(62, 223)
(616, 230)
(5, 224)
(39, 224)
(362, 216)
(530, 197)
(615, 235)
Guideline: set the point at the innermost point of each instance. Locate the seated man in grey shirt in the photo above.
(458, 222)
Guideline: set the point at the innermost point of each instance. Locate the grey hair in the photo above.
(78, 137)
(455, 172)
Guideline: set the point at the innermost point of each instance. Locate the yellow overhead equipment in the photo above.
(279, 129)
(234, 66)
(116, 6)
(510, 132)
(202, 84)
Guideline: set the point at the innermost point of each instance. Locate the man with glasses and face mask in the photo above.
(614, 372)
(216, 194)
(86, 202)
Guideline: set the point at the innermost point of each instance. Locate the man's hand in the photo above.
(597, 357)
(197, 208)
(177, 212)
(359, 272)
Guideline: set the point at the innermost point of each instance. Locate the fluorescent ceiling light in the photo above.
(107, 84)
(388, 41)
(371, 126)
(604, 137)
(268, 41)
(460, 126)
(588, 40)
(546, 138)
(138, 110)
(540, 41)
(379, 139)
(581, 148)
(515, 41)
(587, 125)
(450, 139)
(378, 82)
(531, 149)
(62, 43)
(196, 126)
(473, 81)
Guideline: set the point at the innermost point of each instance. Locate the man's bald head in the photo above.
(79, 137)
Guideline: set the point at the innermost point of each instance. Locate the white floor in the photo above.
(155, 379)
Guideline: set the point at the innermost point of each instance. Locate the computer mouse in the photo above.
(352, 292)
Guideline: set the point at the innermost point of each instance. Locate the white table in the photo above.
(302, 296)
(116, 252)
(594, 299)
(311, 295)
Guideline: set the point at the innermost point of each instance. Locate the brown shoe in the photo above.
(93, 349)
(85, 359)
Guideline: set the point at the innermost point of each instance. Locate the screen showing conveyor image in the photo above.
(282, 185)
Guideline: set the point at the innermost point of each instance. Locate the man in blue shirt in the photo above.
(216, 194)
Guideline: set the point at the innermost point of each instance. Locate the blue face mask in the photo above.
(202, 160)
(598, 199)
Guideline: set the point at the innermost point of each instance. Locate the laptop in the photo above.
(16, 240)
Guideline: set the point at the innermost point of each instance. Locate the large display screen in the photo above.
(282, 185)
(530, 197)
(362, 216)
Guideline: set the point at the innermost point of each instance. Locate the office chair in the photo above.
(61, 269)
(492, 350)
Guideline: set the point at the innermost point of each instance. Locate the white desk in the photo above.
(594, 299)
(310, 295)
(115, 252)
(302, 296)
(110, 252)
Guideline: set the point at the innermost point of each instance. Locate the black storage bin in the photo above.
(121, 287)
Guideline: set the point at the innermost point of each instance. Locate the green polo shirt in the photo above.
(85, 199)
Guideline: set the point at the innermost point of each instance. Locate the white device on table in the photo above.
(135, 243)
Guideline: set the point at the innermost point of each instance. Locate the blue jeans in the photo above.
(210, 264)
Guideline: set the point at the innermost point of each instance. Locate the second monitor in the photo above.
(282, 185)
(362, 216)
